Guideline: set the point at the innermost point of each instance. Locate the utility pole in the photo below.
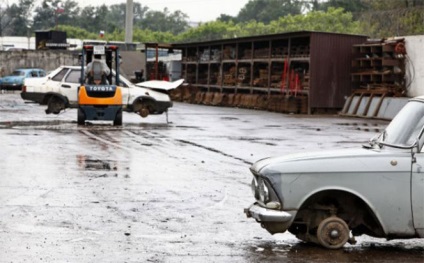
(129, 22)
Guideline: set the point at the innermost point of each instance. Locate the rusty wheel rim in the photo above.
(333, 232)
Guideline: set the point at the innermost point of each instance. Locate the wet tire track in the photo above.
(160, 143)
(105, 141)
(214, 150)
(167, 139)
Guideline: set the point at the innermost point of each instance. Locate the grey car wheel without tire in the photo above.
(333, 232)
(143, 112)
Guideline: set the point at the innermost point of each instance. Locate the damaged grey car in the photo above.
(330, 197)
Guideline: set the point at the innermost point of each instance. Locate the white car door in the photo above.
(66, 83)
(69, 85)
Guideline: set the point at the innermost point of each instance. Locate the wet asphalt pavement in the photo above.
(155, 192)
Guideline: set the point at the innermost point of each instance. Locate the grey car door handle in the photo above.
(66, 86)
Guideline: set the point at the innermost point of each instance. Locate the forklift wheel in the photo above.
(81, 117)
(118, 118)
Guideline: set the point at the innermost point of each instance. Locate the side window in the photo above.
(34, 74)
(73, 76)
(122, 84)
(415, 132)
(59, 76)
(41, 74)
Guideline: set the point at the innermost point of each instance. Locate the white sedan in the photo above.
(59, 90)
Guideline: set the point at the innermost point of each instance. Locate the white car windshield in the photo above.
(405, 127)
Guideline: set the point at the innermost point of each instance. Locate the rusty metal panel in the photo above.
(330, 68)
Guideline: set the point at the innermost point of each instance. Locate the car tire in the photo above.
(55, 105)
(333, 232)
(81, 117)
(118, 118)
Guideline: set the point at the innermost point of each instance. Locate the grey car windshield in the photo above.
(406, 126)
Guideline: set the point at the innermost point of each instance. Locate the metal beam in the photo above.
(129, 22)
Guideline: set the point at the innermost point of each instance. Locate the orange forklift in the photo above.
(99, 96)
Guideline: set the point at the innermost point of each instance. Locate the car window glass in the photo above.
(405, 127)
(73, 76)
(18, 73)
(416, 130)
(34, 74)
(121, 83)
(59, 76)
(41, 74)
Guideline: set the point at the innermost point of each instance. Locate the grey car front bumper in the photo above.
(263, 214)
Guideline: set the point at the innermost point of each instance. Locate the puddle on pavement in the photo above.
(188, 127)
(229, 118)
(32, 124)
(368, 127)
(308, 252)
(72, 125)
(12, 110)
(91, 164)
(97, 168)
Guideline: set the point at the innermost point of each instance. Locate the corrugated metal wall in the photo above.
(330, 68)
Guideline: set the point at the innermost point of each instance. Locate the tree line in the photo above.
(375, 18)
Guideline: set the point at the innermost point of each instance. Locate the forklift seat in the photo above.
(96, 75)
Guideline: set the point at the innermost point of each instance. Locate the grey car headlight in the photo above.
(254, 187)
(263, 192)
(260, 190)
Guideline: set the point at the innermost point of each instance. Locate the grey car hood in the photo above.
(336, 161)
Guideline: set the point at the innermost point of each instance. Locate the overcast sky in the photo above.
(197, 10)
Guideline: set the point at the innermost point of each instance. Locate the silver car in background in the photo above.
(330, 197)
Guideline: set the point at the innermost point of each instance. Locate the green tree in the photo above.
(16, 19)
(147, 35)
(268, 10)
(226, 18)
(251, 28)
(47, 15)
(381, 5)
(95, 19)
(116, 15)
(165, 21)
(207, 31)
(70, 13)
(352, 6)
(5, 18)
(335, 20)
(393, 18)
(77, 32)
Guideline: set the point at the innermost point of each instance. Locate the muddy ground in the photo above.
(155, 192)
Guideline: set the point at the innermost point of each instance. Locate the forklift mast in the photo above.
(112, 59)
